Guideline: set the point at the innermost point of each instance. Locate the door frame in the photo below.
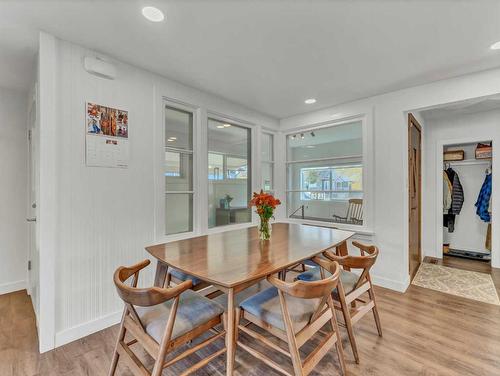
(413, 122)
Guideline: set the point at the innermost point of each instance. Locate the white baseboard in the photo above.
(392, 284)
(6, 288)
(87, 328)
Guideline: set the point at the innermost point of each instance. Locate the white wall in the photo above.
(470, 231)
(389, 126)
(13, 190)
(105, 217)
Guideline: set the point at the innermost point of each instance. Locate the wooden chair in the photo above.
(351, 287)
(293, 312)
(161, 320)
(354, 213)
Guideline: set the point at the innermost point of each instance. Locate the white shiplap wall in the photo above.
(107, 216)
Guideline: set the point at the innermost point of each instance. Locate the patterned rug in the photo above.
(463, 283)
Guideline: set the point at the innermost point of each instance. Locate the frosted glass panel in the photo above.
(178, 129)
(178, 213)
(267, 147)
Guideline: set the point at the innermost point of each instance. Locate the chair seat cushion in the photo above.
(309, 262)
(193, 311)
(348, 279)
(181, 276)
(266, 306)
(244, 294)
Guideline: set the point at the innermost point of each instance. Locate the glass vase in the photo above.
(265, 229)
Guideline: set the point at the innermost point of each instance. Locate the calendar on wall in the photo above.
(106, 136)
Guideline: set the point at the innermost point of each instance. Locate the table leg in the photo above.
(230, 333)
(161, 274)
(342, 249)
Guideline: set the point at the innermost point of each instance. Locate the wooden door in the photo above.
(414, 194)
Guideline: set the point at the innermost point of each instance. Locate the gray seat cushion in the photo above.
(181, 276)
(348, 279)
(266, 306)
(193, 311)
(244, 294)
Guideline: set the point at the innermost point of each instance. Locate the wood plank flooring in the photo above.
(425, 333)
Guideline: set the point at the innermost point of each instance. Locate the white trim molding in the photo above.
(6, 288)
(87, 328)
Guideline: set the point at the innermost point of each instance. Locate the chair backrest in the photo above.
(355, 209)
(369, 254)
(143, 297)
(309, 289)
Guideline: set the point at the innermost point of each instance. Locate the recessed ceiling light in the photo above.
(310, 101)
(170, 140)
(221, 126)
(153, 14)
(495, 46)
(173, 138)
(226, 125)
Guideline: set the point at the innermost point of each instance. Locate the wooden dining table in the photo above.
(234, 260)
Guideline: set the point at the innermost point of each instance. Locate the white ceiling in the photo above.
(463, 108)
(268, 55)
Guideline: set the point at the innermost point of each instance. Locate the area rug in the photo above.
(463, 283)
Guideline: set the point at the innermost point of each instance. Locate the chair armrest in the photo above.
(125, 272)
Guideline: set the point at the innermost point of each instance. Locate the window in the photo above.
(267, 162)
(345, 180)
(178, 171)
(229, 172)
(325, 173)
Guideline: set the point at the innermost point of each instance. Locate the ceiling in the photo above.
(267, 55)
(471, 106)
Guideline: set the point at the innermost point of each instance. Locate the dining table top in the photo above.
(238, 256)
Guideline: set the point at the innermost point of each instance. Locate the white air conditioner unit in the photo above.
(99, 67)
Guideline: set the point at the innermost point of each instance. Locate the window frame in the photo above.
(212, 115)
(271, 162)
(160, 183)
(367, 162)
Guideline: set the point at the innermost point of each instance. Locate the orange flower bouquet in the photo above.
(265, 204)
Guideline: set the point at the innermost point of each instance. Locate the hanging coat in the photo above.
(457, 200)
(483, 200)
(447, 189)
(457, 195)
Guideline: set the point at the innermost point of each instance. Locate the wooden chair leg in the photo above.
(348, 324)
(371, 293)
(338, 344)
(121, 336)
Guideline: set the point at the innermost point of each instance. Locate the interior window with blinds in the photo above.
(178, 171)
(325, 174)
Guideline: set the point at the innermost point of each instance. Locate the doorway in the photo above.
(33, 251)
(414, 195)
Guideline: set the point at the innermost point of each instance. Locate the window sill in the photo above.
(359, 230)
(213, 230)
